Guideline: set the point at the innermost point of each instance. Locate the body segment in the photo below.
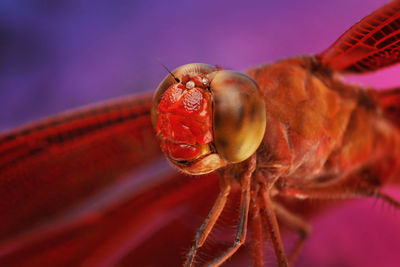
(318, 128)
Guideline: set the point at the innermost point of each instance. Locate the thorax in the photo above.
(308, 111)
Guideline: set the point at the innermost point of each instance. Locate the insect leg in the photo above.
(241, 229)
(211, 219)
(272, 225)
(388, 199)
(256, 240)
(296, 223)
(341, 192)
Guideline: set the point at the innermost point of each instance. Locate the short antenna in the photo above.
(165, 67)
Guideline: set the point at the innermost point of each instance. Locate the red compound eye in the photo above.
(184, 121)
(206, 118)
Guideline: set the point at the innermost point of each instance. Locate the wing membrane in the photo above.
(371, 44)
(49, 166)
(164, 215)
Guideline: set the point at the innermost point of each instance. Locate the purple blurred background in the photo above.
(57, 55)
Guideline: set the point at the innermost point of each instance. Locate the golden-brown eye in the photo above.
(239, 115)
(207, 118)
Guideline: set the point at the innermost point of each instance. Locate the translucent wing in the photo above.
(151, 224)
(50, 166)
(371, 44)
(92, 187)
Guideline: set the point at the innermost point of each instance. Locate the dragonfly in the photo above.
(114, 145)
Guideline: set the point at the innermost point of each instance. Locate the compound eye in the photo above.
(239, 117)
(207, 118)
(181, 73)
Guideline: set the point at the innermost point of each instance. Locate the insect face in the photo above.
(207, 118)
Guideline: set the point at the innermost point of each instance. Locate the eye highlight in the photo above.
(209, 119)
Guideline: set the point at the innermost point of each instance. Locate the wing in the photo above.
(150, 224)
(50, 166)
(89, 187)
(371, 44)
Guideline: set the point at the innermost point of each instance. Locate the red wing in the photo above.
(371, 44)
(49, 166)
(152, 226)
